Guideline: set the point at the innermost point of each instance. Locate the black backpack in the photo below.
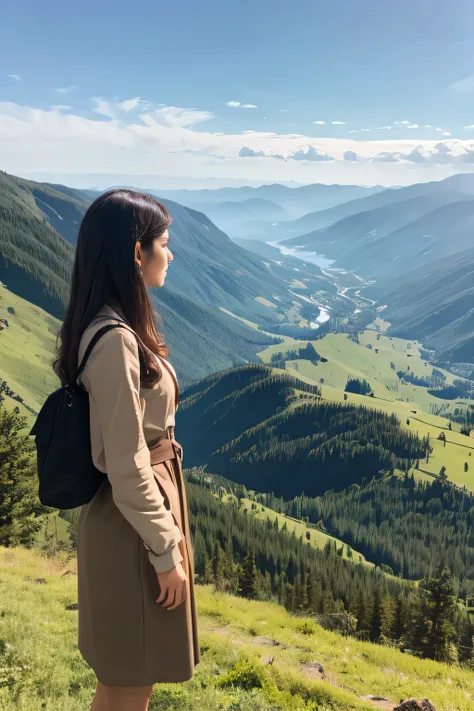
(67, 475)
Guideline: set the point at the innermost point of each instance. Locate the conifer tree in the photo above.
(439, 606)
(290, 598)
(20, 508)
(388, 612)
(248, 579)
(219, 567)
(431, 631)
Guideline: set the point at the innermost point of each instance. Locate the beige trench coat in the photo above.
(136, 525)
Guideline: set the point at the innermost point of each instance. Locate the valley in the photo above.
(331, 442)
(278, 199)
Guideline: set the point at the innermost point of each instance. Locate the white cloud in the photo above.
(428, 125)
(440, 130)
(129, 104)
(463, 86)
(446, 133)
(283, 110)
(309, 153)
(66, 89)
(237, 104)
(319, 123)
(338, 123)
(61, 107)
(246, 152)
(16, 77)
(362, 129)
(112, 109)
(103, 107)
(175, 117)
(174, 141)
(471, 125)
(399, 124)
(355, 130)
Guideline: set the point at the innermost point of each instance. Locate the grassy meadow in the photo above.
(255, 656)
(27, 349)
(411, 403)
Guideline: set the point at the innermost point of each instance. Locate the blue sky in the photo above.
(365, 64)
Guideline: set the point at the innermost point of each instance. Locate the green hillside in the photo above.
(38, 231)
(27, 352)
(403, 525)
(35, 261)
(410, 403)
(224, 489)
(317, 539)
(254, 655)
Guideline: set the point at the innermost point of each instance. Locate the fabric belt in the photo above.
(166, 448)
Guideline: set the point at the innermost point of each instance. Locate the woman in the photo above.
(137, 612)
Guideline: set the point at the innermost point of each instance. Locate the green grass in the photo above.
(42, 669)
(349, 359)
(27, 352)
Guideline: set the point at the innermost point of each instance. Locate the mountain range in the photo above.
(412, 242)
(458, 187)
(435, 304)
(296, 201)
(213, 285)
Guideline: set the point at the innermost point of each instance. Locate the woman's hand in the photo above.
(173, 587)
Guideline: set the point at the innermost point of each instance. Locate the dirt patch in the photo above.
(314, 670)
(226, 632)
(266, 640)
(379, 702)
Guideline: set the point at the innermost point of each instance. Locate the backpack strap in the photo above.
(102, 331)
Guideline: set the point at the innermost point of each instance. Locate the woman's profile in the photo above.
(137, 621)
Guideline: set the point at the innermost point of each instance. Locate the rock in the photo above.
(264, 639)
(415, 705)
(313, 669)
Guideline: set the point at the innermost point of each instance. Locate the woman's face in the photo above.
(154, 262)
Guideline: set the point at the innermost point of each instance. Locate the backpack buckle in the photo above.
(68, 394)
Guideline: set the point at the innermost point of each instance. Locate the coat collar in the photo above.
(115, 310)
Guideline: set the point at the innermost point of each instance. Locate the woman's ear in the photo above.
(138, 254)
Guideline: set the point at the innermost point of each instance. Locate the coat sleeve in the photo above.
(112, 378)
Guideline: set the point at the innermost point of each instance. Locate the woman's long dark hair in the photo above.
(105, 270)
